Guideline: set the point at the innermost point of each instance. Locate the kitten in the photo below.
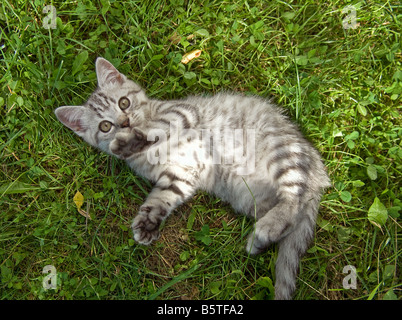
(243, 149)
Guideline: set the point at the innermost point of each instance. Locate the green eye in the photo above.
(105, 126)
(124, 103)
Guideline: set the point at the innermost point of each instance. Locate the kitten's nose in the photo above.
(123, 121)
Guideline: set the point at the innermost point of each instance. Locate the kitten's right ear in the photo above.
(72, 117)
(107, 74)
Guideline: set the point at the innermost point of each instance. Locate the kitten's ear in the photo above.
(73, 118)
(107, 74)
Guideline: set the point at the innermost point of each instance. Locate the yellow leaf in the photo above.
(78, 200)
(190, 56)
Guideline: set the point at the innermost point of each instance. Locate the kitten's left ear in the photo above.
(107, 74)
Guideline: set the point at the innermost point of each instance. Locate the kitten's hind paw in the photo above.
(254, 245)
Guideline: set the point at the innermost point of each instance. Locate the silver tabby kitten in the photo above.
(243, 149)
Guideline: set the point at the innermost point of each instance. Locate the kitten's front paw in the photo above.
(139, 142)
(127, 143)
(146, 224)
(121, 145)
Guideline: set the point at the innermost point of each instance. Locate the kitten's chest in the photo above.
(183, 158)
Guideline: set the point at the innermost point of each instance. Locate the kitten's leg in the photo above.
(293, 192)
(169, 192)
(274, 225)
(130, 141)
(292, 225)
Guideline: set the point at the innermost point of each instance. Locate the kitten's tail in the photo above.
(291, 249)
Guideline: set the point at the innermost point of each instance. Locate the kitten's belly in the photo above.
(245, 194)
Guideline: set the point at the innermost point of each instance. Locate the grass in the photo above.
(342, 86)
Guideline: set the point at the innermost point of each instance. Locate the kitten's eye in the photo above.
(105, 126)
(124, 103)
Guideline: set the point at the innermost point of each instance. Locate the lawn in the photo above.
(334, 66)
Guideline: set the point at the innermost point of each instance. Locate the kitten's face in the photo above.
(113, 109)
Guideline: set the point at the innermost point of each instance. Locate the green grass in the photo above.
(343, 87)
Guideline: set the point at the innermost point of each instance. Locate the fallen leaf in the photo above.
(190, 56)
(84, 213)
(78, 200)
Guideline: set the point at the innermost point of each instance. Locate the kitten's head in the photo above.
(113, 108)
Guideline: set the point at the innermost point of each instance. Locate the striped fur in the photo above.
(174, 144)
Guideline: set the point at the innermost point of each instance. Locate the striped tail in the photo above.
(291, 249)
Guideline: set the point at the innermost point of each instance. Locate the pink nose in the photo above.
(123, 122)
